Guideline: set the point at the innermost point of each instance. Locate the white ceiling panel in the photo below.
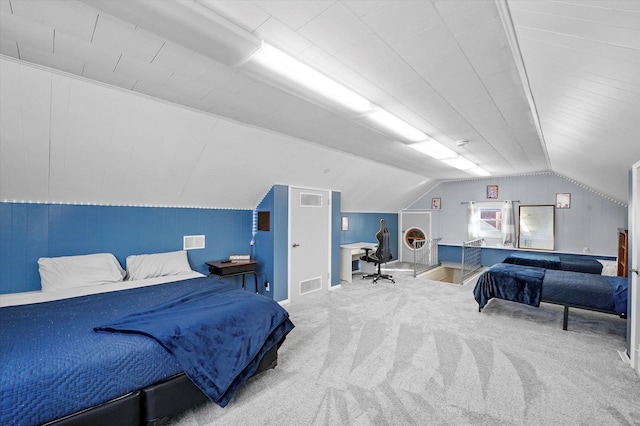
(74, 19)
(453, 69)
(396, 21)
(24, 31)
(427, 46)
(75, 49)
(294, 17)
(176, 59)
(463, 15)
(335, 29)
(135, 42)
(367, 54)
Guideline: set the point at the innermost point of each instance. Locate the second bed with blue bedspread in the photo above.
(532, 285)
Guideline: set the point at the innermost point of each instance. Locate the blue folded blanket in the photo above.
(538, 260)
(217, 335)
(510, 282)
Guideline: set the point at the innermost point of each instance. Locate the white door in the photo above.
(634, 262)
(309, 241)
(414, 225)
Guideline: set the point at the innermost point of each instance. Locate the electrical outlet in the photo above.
(266, 285)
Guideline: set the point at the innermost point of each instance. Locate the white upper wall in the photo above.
(590, 223)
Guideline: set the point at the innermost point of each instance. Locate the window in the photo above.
(485, 220)
(490, 222)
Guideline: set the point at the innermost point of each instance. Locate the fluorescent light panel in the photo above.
(396, 125)
(434, 149)
(460, 163)
(478, 171)
(287, 66)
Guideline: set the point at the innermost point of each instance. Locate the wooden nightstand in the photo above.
(232, 268)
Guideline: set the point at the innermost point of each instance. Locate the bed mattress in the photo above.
(599, 292)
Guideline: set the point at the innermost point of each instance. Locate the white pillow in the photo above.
(144, 266)
(58, 273)
(609, 267)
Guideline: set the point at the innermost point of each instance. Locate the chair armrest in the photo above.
(367, 257)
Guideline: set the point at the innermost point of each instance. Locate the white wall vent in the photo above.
(190, 242)
(310, 200)
(311, 285)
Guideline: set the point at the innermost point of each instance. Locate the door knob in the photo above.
(296, 245)
(634, 270)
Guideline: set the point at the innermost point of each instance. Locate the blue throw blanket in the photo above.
(510, 282)
(620, 292)
(218, 335)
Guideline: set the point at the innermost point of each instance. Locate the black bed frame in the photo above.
(152, 405)
(565, 318)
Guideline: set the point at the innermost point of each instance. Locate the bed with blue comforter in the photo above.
(533, 285)
(64, 356)
(561, 262)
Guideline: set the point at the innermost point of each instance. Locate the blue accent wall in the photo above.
(30, 231)
(271, 247)
(263, 247)
(281, 242)
(364, 226)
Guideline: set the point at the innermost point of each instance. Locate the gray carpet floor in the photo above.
(418, 352)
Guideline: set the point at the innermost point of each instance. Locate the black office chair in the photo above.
(382, 254)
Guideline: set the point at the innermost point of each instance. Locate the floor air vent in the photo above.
(310, 285)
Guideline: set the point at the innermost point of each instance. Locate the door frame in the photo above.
(290, 242)
(633, 263)
(401, 231)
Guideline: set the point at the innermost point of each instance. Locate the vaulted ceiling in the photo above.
(531, 85)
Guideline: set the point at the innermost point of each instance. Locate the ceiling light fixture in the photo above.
(460, 163)
(284, 65)
(434, 149)
(478, 171)
(392, 123)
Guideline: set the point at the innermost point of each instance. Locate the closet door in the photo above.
(309, 241)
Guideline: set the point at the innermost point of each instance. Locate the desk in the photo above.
(225, 268)
(349, 253)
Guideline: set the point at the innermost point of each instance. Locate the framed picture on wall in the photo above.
(563, 201)
(492, 192)
(435, 203)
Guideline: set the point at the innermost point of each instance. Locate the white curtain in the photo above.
(508, 227)
(473, 221)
